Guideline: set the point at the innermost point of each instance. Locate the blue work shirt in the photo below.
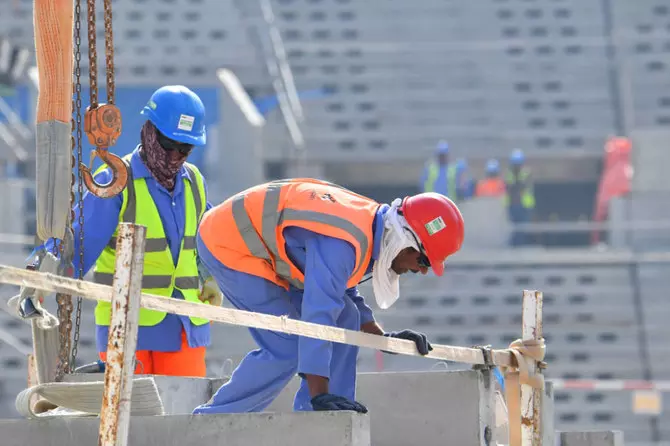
(101, 217)
(327, 264)
(330, 262)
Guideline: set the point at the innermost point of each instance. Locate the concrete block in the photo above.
(422, 408)
(548, 429)
(594, 438)
(258, 429)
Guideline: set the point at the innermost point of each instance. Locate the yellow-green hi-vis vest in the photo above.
(434, 173)
(160, 275)
(527, 193)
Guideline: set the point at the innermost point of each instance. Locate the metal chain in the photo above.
(80, 182)
(65, 308)
(65, 362)
(92, 54)
(109, 51)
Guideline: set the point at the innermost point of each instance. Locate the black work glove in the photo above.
(328, 401)
(419, 339)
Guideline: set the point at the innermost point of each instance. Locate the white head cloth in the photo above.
(396, 237)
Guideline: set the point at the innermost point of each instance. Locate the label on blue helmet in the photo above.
(186, 123)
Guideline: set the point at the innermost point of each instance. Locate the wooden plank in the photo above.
(283, 324)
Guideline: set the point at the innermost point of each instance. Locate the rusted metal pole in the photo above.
(122, 341)
(531, 398)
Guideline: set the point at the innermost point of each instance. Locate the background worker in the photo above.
(439, 175)
(300, 248)
(465, 183)
(492, 185)
(520, 196)
(168, 196)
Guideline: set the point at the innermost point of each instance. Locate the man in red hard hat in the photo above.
(299, 248)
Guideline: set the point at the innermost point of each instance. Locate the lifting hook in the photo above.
(102, 125)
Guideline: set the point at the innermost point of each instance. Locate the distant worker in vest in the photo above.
(492, 185)
(520, 195)
(168, 196)
(300, 247)
(465, 183)
(441, 176)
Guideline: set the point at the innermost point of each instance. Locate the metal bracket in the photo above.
(488, 358)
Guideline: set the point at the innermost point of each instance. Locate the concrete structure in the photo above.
(264, 429)
(424, 409)
(595, 438)
(479, 305)
(391, 78)
(458, 406)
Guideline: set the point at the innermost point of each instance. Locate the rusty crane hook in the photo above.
(102, 125)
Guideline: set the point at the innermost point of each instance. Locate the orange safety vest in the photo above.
(490, 187)
(245, 232)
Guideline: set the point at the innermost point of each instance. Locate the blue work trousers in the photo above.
(264, 372)
(519, 214)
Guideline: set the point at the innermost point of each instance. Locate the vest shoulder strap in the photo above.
(197, 187)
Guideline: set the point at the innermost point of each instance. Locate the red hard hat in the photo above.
(438, 223)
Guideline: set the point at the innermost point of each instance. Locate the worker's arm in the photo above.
(329, 263)
(101, 217)
(209, 289)
(363, 308)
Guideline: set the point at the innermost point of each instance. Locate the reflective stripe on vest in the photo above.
(261, 213)
(158, 258)
(149, 282)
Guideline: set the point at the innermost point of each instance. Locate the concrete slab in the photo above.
(422, 408)
(264, 429)
(595, 438)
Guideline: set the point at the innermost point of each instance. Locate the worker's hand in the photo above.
(210, 293)
(328, 401)
(419, 339)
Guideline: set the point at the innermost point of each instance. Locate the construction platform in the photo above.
(411, 408)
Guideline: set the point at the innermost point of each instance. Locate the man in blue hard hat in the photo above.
(441, 176)
(520, 197)
(168, 196)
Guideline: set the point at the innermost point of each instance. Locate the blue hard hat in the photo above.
(461, 164)
(442, 147)
(492, 166)
(516, 157)
(178, 113)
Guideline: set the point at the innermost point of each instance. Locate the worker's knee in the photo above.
(280, 346)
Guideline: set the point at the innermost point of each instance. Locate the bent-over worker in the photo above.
(300, 247)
